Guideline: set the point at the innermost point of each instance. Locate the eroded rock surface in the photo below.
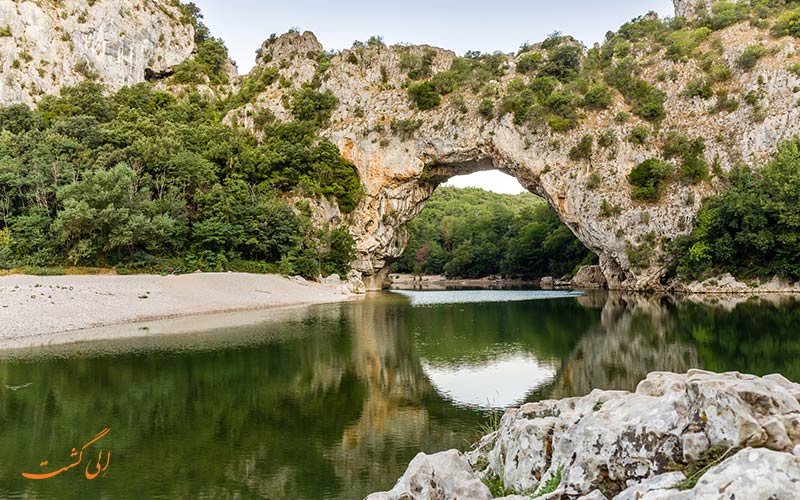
(55, 44)
(402, 153)
(443, 475)
(589, 277)
(642, 445)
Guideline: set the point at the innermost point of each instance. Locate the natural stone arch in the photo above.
(383, 237)
(401, 152)
(380, 222)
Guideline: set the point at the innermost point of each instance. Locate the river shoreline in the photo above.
(438, 283)
(37, 311)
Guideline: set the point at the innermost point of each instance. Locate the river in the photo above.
(332, 402)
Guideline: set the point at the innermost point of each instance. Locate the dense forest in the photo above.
(753, 229)
(143, 179)
(472, 233)
(150, 180)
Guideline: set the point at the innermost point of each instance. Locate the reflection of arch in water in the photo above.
(497, 384)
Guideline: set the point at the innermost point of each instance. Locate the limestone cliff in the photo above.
(400, 168)
(48, 45)
(740, 107)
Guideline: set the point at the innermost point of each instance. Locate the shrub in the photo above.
(699, 88)
(788, 24)
(694, 167)
(188, 72)
(561, 124)
(724, 103)
(418, 66)
(594, 181)
(681, 44)
(607, 139)
(749, 58)
(486, 109)
(313, 106)
(582, 150)
(598, 97)
(640, 255)
(530, 62)
(253, 84)
(726, 13)
(647, 101)
(648, 179)
(424, 95)
(446, 82)
(639, 135)
(564, 62)
(719, 73)
(608, 210)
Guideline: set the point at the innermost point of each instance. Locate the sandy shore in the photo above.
(38, 310)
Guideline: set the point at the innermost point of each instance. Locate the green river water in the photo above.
(332, 402)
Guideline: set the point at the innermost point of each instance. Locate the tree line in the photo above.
(472, 233)
(147, 180)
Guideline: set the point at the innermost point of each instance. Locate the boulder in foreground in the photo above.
(700, 435)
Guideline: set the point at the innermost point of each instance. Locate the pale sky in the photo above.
(459, 25)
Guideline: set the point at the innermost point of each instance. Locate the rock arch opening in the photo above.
(399, 204)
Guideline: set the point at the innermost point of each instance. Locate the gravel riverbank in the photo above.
(44, 310)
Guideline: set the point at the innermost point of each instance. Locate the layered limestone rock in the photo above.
(690, 8)
(402, 154)
(742, 430)
(589, 277)
(49, 45)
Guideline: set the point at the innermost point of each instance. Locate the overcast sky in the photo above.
(459, 25)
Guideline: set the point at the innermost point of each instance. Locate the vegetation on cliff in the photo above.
(143, 179)
(752, 230)
(472, 233)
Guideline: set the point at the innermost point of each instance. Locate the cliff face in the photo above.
(689, 8)
(48, 45)
(402, 154)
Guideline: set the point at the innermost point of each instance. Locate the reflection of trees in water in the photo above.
(632, 340)
(642, 334)
(751, 335)
(341, 404)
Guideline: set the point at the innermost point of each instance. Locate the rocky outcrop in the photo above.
(402, 153)
(698, 435)
(49, 45)
(691, 8)
(444, 475)
(727, 284)
(589, 277)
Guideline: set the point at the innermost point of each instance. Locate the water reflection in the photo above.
(500, 383)
(332, 402)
